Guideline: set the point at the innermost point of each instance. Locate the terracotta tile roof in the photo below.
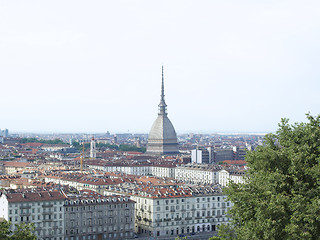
(32, 144)
(35, 196)
(15, 164)
(235, 162)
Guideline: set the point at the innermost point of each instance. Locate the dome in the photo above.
(162, 128)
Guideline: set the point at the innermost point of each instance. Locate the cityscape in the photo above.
(171, 120)
(121, 186)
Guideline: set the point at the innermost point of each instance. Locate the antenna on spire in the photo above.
(162, 86)
(162, 105)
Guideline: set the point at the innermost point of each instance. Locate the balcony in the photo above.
(25, 207)
(25, 214)
(47, 205)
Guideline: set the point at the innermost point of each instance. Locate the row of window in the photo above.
(38, 217)
(98, 229)
(36, 203)
(33, 210)
(94, 207)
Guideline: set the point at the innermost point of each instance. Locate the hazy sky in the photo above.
(93, 66)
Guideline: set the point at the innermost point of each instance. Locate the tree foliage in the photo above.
(22, 231)
(281, 198)
(31, 140)
(121, 147)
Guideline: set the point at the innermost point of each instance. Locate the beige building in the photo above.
(12, 167)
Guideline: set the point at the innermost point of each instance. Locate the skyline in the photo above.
(228, 66)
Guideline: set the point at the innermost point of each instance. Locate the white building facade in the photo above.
(44, 209)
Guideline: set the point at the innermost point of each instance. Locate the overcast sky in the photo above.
(93, 66)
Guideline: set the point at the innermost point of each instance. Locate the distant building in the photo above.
(162, 137)
(239, 153)
(4, 133)
(202, 155)
(223, 154)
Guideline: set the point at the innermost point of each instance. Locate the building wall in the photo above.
(196, 175)
(173, 216)
(4, 207)
(97, 219)
(47, 216)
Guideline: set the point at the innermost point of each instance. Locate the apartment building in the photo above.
(81, 181)
(169, 211)
(91, 216)
(227, 176)
(158, 170)
(198, 173)
(43, 208)
(82, 215)
(235, 176)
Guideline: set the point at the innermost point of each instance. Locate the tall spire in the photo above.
(162, 105)
(162, 86)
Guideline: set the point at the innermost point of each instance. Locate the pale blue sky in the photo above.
(93, 66)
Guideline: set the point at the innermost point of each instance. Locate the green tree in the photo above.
(4, 229)
(31, 140)
(23, 231)
(214, 238)
(281, 198)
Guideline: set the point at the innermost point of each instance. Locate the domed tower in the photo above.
(162, 137)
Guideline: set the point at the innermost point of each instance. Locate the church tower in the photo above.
(93, 150)
(162, 137)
